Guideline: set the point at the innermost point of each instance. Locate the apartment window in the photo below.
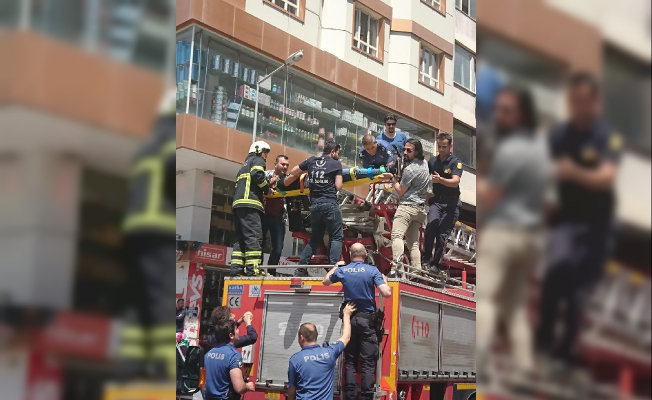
(290, 6)
(464, 143)
(466, 6)
(366, 32)
(464, 68)
(436, 4)
(429, 67)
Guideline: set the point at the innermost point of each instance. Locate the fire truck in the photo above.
(427, 349)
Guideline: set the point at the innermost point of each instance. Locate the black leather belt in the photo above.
(445, 197)
(365, 314)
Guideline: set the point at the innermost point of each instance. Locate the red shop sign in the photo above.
(210, 254)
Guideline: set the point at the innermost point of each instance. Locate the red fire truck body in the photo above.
(426, 352)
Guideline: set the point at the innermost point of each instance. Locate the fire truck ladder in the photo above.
(461, 245)
(620, 316)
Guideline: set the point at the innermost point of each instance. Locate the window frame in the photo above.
(380, 32)
(301, 8)
(442, 5)
(468, 14)
(473, 137)
(439, 60)
(472, 69)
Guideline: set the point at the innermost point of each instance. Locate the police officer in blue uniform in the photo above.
(375, 153)
(312, 370)
(224, 380)
(359, 280)
(586, 151)
(445, 203)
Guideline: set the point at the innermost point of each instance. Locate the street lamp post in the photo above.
(291, 60)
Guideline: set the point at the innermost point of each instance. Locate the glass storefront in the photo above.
(216, 80)
(221, 228)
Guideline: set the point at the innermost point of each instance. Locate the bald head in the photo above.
(358, 252)
(368, 139)
(307, 334)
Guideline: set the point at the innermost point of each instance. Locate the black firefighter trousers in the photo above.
(363, 347)
(247, 252)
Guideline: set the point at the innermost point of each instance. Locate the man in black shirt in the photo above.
(180, 314)
(445, 203)
(586, 151)
(325, 177)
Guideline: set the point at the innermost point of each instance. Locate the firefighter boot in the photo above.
(162, 355)
(131, 352)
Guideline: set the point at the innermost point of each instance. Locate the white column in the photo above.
(194, 202)
(39, 214)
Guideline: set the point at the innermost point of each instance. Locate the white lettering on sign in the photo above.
(215, 356)
(211, 255)
(196, 285)
(318, 357)
(360, 269)
(234, 301)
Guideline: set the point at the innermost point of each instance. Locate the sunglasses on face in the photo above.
(408, 151)
(390, 123)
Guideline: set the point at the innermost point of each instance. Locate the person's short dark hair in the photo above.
(278, 157)
(329, 146)
(418, 147)
(526, 107)
(223, 328)
(390, 116)
(178, 300)
(584, 79)
(445, 136)
(309, 332)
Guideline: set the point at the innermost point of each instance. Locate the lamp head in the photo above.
(294, 58)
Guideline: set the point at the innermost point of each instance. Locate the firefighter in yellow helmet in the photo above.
(149, 242)
(248, 210)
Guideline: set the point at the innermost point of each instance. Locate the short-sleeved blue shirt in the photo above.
(219, 362)
(359, 281)
(600, 143)
(398, 140)
(322, 171)
(383, 155)
(312, 371)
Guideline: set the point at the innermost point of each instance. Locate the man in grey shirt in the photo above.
(411, 211)
(511, 198)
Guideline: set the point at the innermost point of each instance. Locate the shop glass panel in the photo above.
(184, 43)
(221, 227)
(463, 143)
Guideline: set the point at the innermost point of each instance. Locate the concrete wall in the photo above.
(464, 106)
(465, 30)
(308, 31)
(425, 16)
(404, 71)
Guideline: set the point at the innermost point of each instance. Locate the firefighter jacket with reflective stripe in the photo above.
(251, 185)
(152, 193)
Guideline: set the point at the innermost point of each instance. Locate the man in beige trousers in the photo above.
(511, 197)
(411, 212)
